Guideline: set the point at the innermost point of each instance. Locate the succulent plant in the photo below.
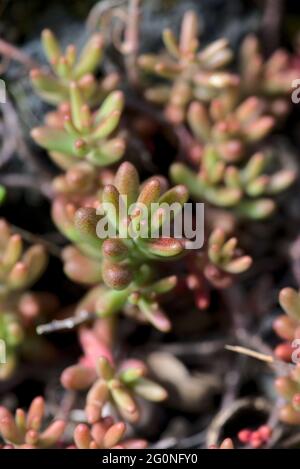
(192, 73)
(226, 444)
(288, 387)
(119, 386)
(228, 126)
(81, 180)
(256, 438)
(126, 261)
(19, 269)
(23, 430)
(202, 74)
(287, 325)
(81, 185)
(67, 66)
(123, 246)
(287, 328)
(64, 215)
(230, 175)
(78, 133)
(11, 332)
(105, 434)
(271, 78)
(138, 241)
(223, 253)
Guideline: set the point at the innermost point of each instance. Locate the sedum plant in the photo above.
(19, 269)
(255, 438)
(288, 388)
(227, 122)
(105, 434)
(2, 193)
(81, 181)
(224, 254)
(23, 430)
(68, 67)
(286, 325)
(120, 387)
(109, 385)
(225, 444)
(230, 175)
(270, 78)
(201, 74)
(218, 266)
(123, 247)
(229, 128)
(128, 263)
(138, 241)
(11, 331)
(190, 73)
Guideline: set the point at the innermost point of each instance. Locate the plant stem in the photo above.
(69, 323)
(132, 40)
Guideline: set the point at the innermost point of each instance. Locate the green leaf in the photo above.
(90, 57)
(56, 140)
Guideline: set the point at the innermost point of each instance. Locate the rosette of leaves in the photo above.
(105, 434)
(225, 444)
(78, 186)
(229, 126)
(73, 212)
(2, 194)
(227, 176)
(67, 66)
(270, 78)
(190, 73)
(218, 266)
(24, 430)
(120, 387)
(140, 301)
(287, 327)
(19, 269)
(83, 134)
(126, 263)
